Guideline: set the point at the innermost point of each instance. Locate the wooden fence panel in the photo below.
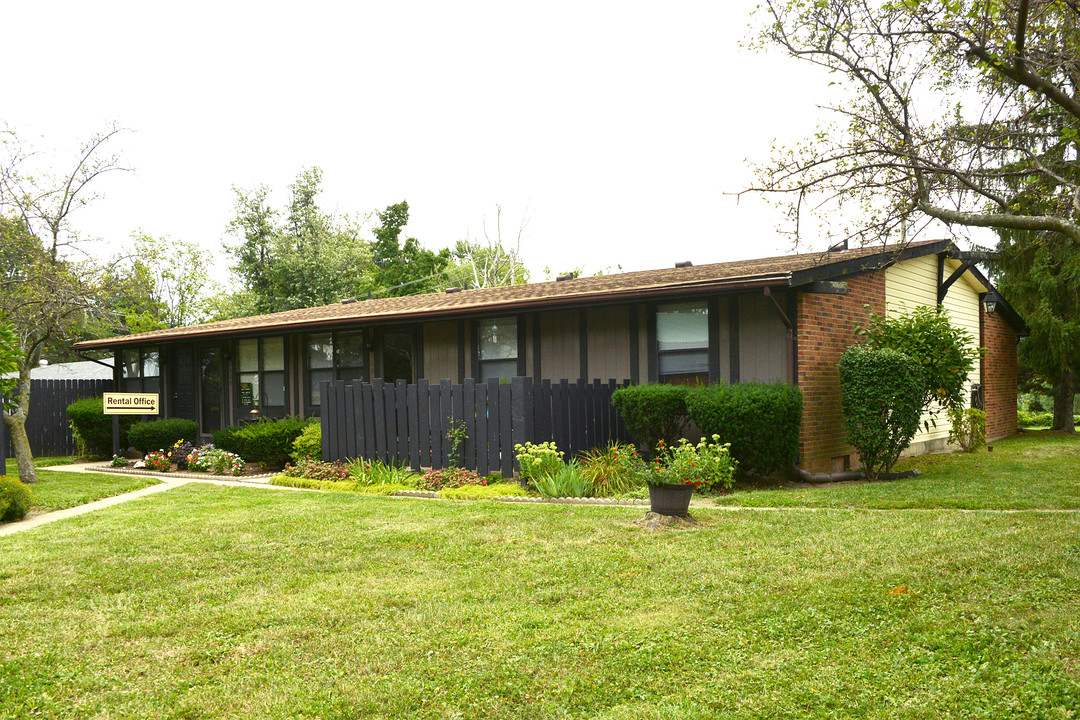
(482, 466)
(47, 425)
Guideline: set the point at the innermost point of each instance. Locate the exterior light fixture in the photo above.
(990, 302)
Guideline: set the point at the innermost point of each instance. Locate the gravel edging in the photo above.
(180, 474)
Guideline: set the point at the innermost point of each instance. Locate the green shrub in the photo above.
(483, 492)
(270, 442)
(15, 499)
(652, 413)
(946, 354)
(613, 470)
(94, 427)
(160, 434)
(760, 421)
(229, 439)
(881, 396)
(537, 460)
(309, 443)
(968, 428)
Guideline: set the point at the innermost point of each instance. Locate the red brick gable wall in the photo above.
(999, 376)
(825, 329)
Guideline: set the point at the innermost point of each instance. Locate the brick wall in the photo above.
(999, 376)
(825, 329)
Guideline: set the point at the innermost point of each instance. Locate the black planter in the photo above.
(670, 499)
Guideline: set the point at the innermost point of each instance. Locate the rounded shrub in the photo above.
(652, 413)
(160, 434)
(230, 440)
(881, 396)
(309, 443)
(94, 427)
(760, 421)
(15, 499)
(270, 442)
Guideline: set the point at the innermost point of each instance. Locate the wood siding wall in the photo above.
(441, 351)
(762, 340)
(912, 283)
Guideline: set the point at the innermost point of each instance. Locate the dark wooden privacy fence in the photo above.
(47, 425)
(410, 424)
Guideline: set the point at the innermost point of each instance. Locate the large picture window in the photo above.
(261, 372)
(334, 356)
(140, 370)
(682, 342)
(497, 348)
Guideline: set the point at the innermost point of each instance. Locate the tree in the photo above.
(1040, 274)
(310, 258)
(404, 268)
(490, 263)
(947, 108)
(46, 299)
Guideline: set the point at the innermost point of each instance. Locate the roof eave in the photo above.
(607, 297)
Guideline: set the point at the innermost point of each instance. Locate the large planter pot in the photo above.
(670, 499)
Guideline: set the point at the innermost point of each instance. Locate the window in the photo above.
(261, 372)
(497, 348)
(334, 356)
(140, 370)
(682, 342)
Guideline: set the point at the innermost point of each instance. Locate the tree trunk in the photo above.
(1063, 404)
(16, 425)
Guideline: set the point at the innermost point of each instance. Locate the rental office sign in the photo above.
(130, 403)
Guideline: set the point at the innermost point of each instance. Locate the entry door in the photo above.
(181, 361)
(210, 386)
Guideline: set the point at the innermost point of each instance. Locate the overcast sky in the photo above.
(620, 126)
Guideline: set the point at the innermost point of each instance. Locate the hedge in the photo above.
(760, 421)
(881, 396)
(267, 442)
(161, 434)
(652, 413)
(15, 499)
(94, 427)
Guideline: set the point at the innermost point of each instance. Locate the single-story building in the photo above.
(785, 319)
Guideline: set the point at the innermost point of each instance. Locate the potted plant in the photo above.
(677, 471)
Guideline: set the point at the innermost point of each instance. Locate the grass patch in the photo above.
(56, 489)
(1028, 471)
(12, 467)
(286, 605)
(483, 492)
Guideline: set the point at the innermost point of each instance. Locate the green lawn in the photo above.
(208, 602)
(56, 489)
(13, 469)
(1031, 470)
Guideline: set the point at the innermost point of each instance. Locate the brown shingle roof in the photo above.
(586, 290)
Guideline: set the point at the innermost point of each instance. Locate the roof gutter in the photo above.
(773, 280)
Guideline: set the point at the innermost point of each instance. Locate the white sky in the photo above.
(620, 125)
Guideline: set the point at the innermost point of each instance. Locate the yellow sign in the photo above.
(131, 403)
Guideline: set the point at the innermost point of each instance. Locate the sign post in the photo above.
(117, 404)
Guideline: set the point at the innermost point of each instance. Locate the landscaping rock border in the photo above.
(179, 474)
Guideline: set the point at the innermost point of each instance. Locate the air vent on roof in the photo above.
(348, 301)
(453, 290)
(567, 276)
(684, 263)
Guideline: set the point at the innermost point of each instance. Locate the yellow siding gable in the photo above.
(912, 283)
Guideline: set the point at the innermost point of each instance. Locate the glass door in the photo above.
(210, 400)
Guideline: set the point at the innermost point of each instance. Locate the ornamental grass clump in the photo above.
(613, 470)
(376, 472)
(566, 481)
(708, 465)
(538, 460)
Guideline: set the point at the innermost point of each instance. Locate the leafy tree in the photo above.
(945, 353)
(944, 109)
(404, 268)
(9, 363)
(46, 297)
(305, 259)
